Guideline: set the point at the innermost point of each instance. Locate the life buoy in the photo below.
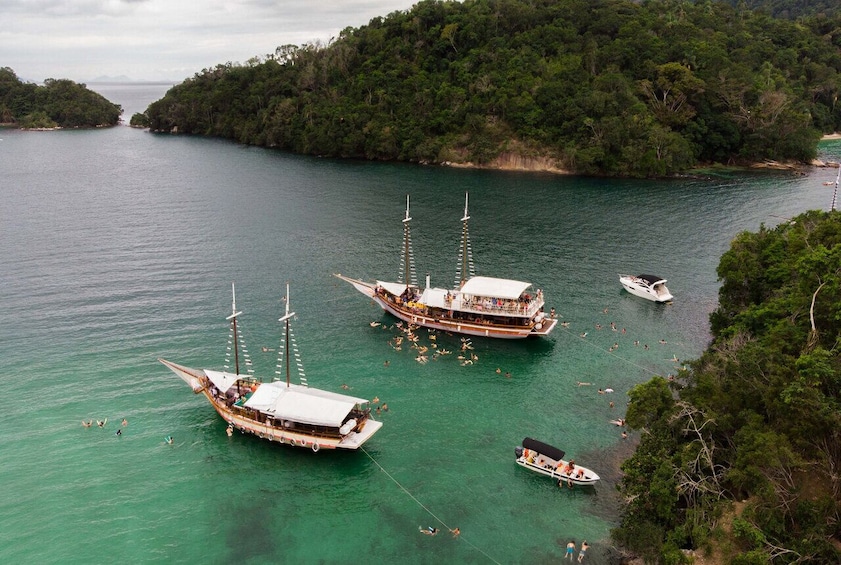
(315, 447)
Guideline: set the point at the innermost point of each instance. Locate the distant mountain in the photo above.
(105, 78)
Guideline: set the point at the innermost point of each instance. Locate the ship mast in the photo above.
(465, 254)
(407, 267)
(288, 347)
(234, 331)
(235, 340)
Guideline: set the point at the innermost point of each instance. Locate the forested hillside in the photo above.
(741, 454)
(58, 103)
(592, 86)
(792, 9)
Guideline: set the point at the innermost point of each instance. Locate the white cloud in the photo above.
(164, 39)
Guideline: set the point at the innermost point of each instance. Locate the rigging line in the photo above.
(419, 503)
(646, 369)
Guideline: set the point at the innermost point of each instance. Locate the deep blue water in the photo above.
(120, 246)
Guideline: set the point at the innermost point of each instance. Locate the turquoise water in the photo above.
(120, 247)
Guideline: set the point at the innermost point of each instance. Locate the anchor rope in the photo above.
(628, 361)
(428, 511)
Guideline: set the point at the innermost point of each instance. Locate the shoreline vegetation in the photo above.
(603, 88)
(738, 455)
(57, 104)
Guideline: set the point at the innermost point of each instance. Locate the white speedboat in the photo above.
(278, 410)
(548, 460)
(479, 306)
(650, 287)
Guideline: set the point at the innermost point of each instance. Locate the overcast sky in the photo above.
(164, 40)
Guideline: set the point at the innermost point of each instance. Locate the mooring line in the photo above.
(430, 512)
(591, 344)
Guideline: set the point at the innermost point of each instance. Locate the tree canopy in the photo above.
(791, 8)
(757, 418)
(58, 103)
(595, 86)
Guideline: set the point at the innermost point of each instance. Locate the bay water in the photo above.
(120, 246)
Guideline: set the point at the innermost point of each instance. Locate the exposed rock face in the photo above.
(510, 161)
(516, 162)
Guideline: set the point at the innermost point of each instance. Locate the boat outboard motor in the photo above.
(518, 451)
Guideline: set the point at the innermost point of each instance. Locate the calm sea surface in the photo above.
(120, 247)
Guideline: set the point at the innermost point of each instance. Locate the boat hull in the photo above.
(552, 473)
(553, 466)
(645, 292)
(238, 421)
(542, 328)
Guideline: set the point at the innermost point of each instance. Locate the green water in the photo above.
(120, 246)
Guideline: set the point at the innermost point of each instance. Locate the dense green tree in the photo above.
(600, 87)
(756, 418)
(58, 103)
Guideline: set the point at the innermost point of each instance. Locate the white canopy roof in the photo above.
(222, 380)
(494, 288)
(394, 288)
(434, 297)
(302, 404)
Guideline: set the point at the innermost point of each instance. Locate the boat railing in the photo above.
(523, 308)
(502, 307)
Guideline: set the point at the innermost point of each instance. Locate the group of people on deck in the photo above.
(569, 469)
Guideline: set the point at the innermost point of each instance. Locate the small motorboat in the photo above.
(548, 460)
(650, 287)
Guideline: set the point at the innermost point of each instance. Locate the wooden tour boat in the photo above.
(479, 306)
(281, 411)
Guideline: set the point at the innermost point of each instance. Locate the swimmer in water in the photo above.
(168, 439)
(429, 530)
